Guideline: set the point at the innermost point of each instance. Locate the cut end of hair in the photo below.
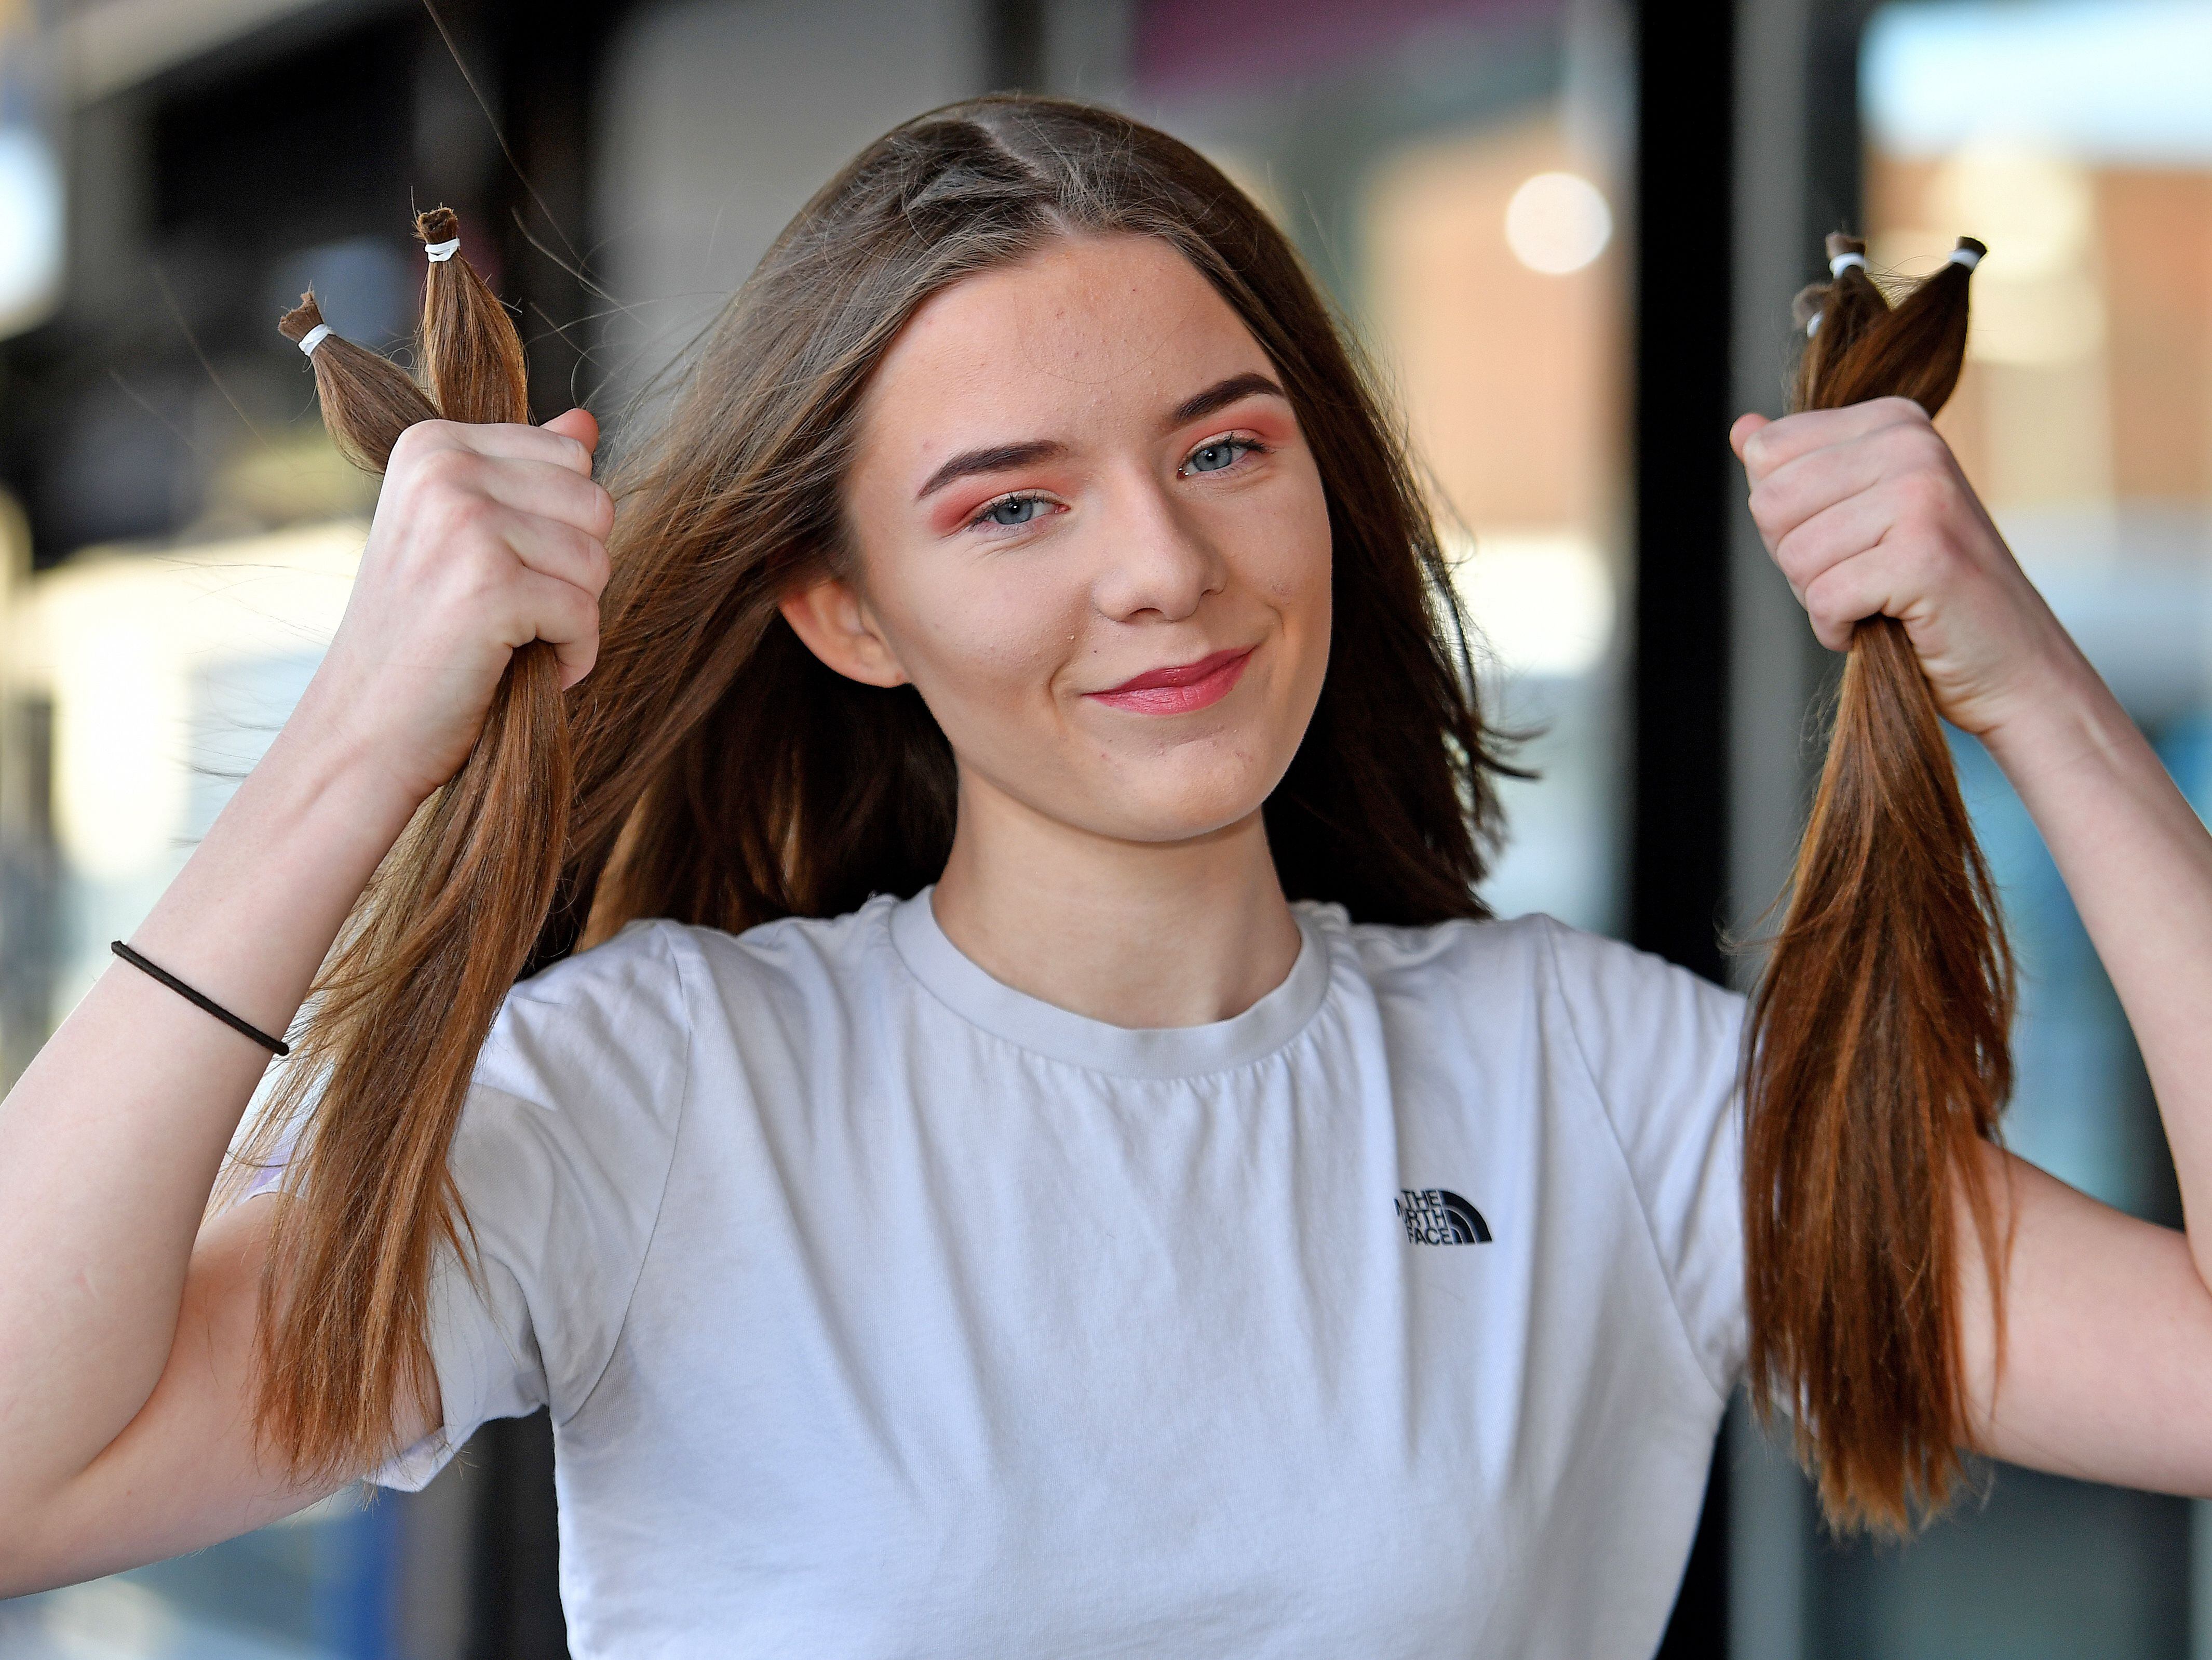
(1840, 244)
(1973, 245)
(301, 320)
(1877, 1059)
(437, 225)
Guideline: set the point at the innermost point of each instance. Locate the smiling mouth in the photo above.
(1182, 689)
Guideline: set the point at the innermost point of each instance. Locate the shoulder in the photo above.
(613, 1020)
(1609, 988)
(795, 950)
(649, 989)
(1614, 1007)
(1643, 1025)
(1587, 971)
(1472, 975)
(1405, 956)
(659, 992)
(796, 973)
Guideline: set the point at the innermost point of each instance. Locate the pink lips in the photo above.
(1180, 689)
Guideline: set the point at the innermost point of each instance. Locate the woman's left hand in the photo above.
(1865, 510)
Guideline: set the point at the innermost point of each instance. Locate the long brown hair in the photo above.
(1878, 1054)
(724, 776)
(429, 952)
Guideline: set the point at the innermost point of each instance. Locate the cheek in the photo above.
(972, 634)
(977, 643)
(1298, 580)
(1286, 557)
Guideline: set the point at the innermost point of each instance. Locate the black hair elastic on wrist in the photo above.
(274, 1045)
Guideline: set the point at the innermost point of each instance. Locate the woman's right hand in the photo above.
(485, 538)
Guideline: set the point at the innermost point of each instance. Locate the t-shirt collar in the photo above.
(1032, 1024)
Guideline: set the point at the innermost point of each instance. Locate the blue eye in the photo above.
(1214, 457)
(1013, 511)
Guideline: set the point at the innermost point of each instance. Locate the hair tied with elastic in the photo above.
(471, 355)
(401, 1009)
(1877, 1054)
(367, 399)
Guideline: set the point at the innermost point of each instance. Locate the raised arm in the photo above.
(2107, 1369)
(126, 1328)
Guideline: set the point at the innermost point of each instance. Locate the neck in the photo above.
(1134, 933)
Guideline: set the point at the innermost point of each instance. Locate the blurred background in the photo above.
(1566, 231)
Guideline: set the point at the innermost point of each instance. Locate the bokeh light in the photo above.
(1557, 222)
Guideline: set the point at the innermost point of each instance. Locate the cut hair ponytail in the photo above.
(471, 355)
(1878, 1051)
(395, 1020)
(367, 399)
(1835, 315)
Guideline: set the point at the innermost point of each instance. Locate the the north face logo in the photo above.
(1436, 1216)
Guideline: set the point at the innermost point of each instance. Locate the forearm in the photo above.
(2138, 864)
(112, 1139)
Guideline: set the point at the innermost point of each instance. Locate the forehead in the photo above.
(1087, 327)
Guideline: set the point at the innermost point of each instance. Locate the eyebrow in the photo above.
(999, 457)
(1223, 393)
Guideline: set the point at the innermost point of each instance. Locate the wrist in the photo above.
(2063, 716)
(252, 915)
(325, 770)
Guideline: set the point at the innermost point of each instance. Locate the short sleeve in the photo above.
(561, 1158)
(1664, 1050)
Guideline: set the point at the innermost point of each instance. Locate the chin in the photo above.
(1187, 797)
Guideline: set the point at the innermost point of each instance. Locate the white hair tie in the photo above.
(1844, 262)
(1812, 326)
(314, 338)
(1969, 258)
(441, 251)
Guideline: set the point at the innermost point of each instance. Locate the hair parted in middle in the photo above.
(724, 776)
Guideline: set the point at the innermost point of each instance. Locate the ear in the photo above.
(834, 620)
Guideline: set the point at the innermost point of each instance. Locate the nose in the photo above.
(1158, 562)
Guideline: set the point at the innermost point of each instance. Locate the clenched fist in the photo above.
(485, 538)
(1865, 510)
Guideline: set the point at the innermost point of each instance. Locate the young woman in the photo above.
(1046, 1155)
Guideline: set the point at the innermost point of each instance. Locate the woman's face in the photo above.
(1091, 534)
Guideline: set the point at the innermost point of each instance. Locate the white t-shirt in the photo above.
(885, 1311)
